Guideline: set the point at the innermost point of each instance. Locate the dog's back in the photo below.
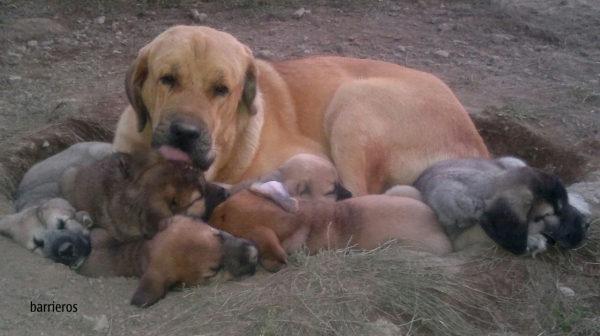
(42, 181)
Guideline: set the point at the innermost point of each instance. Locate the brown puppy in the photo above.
(130, 194)
(201, 92)
(188, 252)
(305, 176)
(280, 224)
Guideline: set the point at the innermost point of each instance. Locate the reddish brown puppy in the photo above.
(280, 224)
(129, 194)
(188, 252)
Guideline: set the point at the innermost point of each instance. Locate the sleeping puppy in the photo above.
(130, 194)
(279, 224)
(42, 181)
(53, 229)
(203, 255)
(306, 176)
(517, 206)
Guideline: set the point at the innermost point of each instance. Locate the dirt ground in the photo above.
(528, 72)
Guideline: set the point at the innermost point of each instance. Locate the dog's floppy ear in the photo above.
(134, 81)
(506, 227)
(276, 192)
(151, 288)
(249, 91)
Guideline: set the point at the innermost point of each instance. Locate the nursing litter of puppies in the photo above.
(329, 194)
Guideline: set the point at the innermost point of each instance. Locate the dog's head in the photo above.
(155, 188)
(193, 86)
(532, 202)
(65, 238)
(203, 254)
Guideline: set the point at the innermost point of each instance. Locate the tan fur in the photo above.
(381, 124)
(304, 176)
(188, 252)
(363, 222)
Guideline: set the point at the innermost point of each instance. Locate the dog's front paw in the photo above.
(536, 243)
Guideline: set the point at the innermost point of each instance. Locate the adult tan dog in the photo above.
(279, 224)
(201, 92)
(202, 254)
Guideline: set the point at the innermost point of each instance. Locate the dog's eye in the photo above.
(38, 242)
(167, 80)
(221, 90)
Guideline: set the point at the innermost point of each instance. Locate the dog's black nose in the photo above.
(182, 132)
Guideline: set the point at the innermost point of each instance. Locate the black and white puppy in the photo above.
(519, 207)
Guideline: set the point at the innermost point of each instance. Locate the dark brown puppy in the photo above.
(129, 194)
(279, 224)
(188, 252)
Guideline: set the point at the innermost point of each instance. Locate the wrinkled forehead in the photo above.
(183, 49)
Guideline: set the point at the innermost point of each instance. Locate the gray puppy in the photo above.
(519, 207)
(44, 222)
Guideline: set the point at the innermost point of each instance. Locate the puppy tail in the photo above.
(151, 288)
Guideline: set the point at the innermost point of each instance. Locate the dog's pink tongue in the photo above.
(174, 154)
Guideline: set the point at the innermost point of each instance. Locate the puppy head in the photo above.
(530, 201)
(191, 253)
(157, 188)
(65, 238)
(190, 84)
(554, 215)
(309, 176)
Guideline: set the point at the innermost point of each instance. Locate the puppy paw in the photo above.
(536, 243)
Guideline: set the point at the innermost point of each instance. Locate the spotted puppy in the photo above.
(516, 206)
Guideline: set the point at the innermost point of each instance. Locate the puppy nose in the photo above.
(184, 132)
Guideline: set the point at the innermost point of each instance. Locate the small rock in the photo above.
(566, 291)
(442, 53)
(444, 27)
(100, 19)
(47, 43)
(299, 13)
(12, 79)
(265, 54)
(305, 38)
(14, 58)
(101, 324)
(115, 25)
(306, 51)
(395, 8)
(22, 49)
(32, 43)
(46, 144)
(198, 17)
(116, 51)
(401, 48)
(500, 38)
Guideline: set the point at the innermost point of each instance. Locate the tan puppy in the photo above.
(279, 224)
(130, 194)
(202, 254)
(305, 176)
(53, 229)
(202, 93)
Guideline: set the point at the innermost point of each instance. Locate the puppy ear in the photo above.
(134, 81)
(249, 91)
(151, 288)
(276, 192)
(509, 230)
(84, 218)
(343, 193)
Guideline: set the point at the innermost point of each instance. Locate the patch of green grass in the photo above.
(585, 95)
(518, 112)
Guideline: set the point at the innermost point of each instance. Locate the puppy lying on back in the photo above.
(515, 205)
(130, 194)
(202, 254)
(53, 229)
(305, 176)
(279, 224)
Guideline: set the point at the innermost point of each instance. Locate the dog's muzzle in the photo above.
(188, 139)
